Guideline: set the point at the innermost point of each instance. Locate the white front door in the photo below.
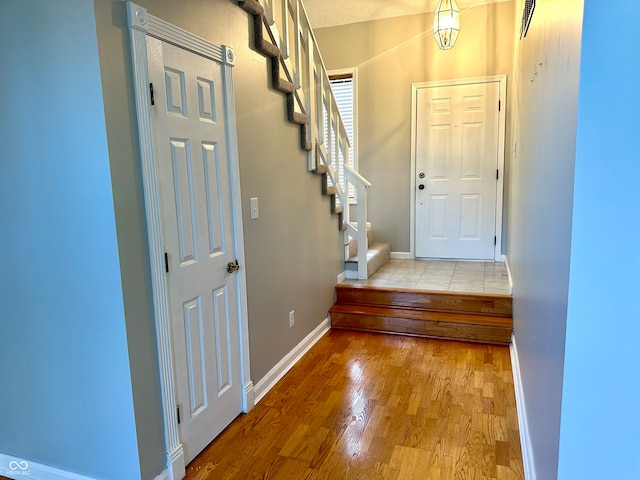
(195, 189)
(456, 159)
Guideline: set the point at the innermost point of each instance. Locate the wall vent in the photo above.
(527, 14)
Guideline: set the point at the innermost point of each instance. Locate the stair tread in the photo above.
(444, 293)
(283, 86)
(423, 315)
(321, 169)
(374, 248)
(434, 300)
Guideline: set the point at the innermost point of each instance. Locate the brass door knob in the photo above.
(233, 267)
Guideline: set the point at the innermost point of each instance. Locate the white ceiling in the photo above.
(329, 13)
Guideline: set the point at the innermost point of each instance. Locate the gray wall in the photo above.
(390, 55)
(66, 396)
(545, 108)
(293, 251)
(600, 417)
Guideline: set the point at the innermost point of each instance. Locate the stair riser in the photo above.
(423, 315)
(499, 305)
(425, 328)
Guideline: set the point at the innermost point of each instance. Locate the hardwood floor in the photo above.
(374, 406)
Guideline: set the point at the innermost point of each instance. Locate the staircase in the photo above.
(282, 33)
(473, 317)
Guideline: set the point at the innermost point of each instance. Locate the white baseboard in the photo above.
(178, 464)
(506, 263)
(523, 424)
(341, 276)
(283, 366)
(249, 397)
(163, 476)
(20, 468)
(401, 255)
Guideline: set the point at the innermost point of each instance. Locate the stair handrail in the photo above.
(355, 177)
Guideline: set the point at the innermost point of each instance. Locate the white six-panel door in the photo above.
(195, 190)
(456, 158)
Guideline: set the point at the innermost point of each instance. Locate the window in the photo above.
(343, 85)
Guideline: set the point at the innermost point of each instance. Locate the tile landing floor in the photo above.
(453, 276)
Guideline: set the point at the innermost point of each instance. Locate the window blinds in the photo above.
(342, 87)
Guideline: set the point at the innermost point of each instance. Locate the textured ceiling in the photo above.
(328, 13)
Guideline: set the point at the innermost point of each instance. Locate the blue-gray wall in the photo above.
(545, 104)
(601, 390)
(66, 397)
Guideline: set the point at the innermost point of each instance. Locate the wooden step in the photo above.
(435, 300)
(483, 318)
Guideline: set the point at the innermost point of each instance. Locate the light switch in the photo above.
(253, 205)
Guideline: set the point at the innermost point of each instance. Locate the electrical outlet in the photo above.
(292, 319)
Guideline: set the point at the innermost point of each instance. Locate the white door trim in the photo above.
(502, 82)
(140, 25)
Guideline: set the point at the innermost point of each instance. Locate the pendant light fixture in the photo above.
(446, 24)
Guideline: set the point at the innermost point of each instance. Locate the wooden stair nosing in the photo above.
(434, 300)
(423, 315)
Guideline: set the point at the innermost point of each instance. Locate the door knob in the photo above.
(233, 267)
(421, 187)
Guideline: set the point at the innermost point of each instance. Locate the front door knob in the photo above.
(421, 187)
(233, 267)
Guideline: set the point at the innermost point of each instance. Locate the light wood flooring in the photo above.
(375, 406)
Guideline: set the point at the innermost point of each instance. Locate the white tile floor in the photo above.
(454, 276)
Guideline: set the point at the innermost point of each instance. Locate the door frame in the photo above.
(141, 24)
(502, 96)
